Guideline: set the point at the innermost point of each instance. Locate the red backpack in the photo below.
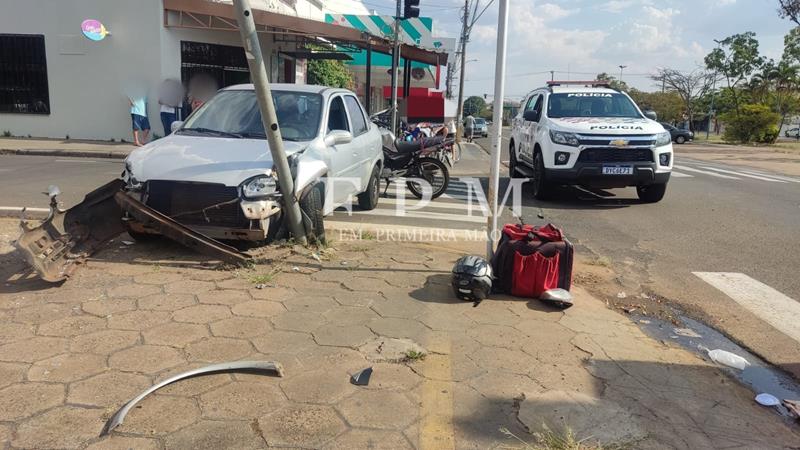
(530, 260)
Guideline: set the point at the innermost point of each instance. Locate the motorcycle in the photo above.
(420, 160)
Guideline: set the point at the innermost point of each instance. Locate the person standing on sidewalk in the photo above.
(139, 119)
(469, 127)
(170, 96)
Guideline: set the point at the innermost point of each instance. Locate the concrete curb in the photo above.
(64, 153)
(13, 212)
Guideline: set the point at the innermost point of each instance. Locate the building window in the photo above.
(226, 64)
(23, 74)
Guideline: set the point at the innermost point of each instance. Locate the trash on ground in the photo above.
(645, 322)
(361, 378)
(793, 406)
(728, 359)
(343, 263)
(629, 309)
(316, 256)
(295, 269)
(686, 332)
(560, 298)
(644, 296)
(238, 366)
(128, 242)
(765, 399)
(260, 286)
(622, 295)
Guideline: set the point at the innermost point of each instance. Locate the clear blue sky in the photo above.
(586, 37)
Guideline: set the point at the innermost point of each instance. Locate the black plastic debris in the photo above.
(361, 378)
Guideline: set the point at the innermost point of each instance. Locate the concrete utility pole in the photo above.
(497, 118)
(258, 72)
(395, 65)
(464, 37)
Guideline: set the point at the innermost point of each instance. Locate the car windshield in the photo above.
(591, 104)
(235, 113)
(480, 121)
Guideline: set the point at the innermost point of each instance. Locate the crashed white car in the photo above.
(589, 135)
(215, 174)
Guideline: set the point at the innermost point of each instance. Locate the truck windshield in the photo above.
(235, 113)
(591, 104)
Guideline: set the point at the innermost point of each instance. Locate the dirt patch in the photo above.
(773, 159)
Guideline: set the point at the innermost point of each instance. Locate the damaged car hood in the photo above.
(227, 161)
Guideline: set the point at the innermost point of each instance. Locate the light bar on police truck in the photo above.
(593, 83)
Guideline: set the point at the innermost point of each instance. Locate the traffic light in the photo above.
(411, 9)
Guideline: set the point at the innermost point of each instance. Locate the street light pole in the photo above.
(464, 34)
(395, 66)
(258, 73)
(621, 68)
(497, 117)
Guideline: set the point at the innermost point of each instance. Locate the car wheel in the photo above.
(311, 208)
(435, 173)
(680, 140)
(541, 188)
(368, 199)
(652, 193)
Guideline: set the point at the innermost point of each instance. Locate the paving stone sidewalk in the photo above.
(70, 355)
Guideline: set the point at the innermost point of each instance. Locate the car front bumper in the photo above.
(591, 174)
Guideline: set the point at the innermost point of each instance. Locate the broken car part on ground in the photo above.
(62, 241)
(265, 367)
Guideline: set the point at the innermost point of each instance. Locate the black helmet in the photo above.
(472, 278)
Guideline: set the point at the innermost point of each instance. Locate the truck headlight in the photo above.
(663, 139)
(562, 138)
(258, 187)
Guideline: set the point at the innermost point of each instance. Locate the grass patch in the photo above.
(413, 356)
(600, 261)
(564, 439)
(265, 278)
(368, 236)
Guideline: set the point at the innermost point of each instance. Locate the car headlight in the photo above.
(663, 139)
(562, 138)
(258, 187)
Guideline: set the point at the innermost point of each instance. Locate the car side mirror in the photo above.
(175, 126)
(531, 115)
(338, 137)
(650, 114)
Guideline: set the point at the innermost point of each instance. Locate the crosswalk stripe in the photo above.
(713, 174)
(422, 214)
(413, 202)
(777, 177)
(773, 307)
(743, 174)
(681, 175)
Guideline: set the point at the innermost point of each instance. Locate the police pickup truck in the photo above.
(585, 133)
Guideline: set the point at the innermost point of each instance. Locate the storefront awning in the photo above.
(221, 16)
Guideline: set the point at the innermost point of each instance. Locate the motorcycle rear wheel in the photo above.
(432, 171)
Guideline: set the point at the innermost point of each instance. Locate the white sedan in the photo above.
(214, 173)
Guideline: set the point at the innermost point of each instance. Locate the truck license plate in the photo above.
(617, 170)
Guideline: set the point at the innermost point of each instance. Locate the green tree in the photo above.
(474, 105)
(613, 82)
(329, 72)
(736, 59)
(667, 105)
(752, 123)
(789, 9)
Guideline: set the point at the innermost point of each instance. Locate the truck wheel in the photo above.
(652, 193)
(368, 199)
(311, 209)
(541, 188)
(512, 163)
(680, 140)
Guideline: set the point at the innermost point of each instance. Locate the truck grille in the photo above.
(601, 155)
(175, 199)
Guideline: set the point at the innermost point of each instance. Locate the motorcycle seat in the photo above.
(413, 146)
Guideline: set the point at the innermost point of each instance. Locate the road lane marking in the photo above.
(77, 160)
(413, 203)
(743, 174)
(713, 174)
(773, 307)
(681, 175)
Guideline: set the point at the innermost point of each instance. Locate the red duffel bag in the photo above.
(530, 260)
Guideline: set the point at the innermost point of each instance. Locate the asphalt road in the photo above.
(714, 218)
